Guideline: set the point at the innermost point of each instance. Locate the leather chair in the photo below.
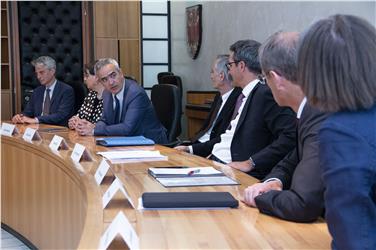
(174, 80)
(167, 105)
(162, 74)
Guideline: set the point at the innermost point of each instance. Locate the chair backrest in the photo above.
(173, 80)
(167, 105)
(162, 74)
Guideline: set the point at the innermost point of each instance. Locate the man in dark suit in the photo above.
(262, 133)
(221, 110)
(51, 103)
(293, 190)
(127, 110)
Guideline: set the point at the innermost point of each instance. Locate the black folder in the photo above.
(188, 200)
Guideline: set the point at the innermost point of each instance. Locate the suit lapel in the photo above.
(246, 107)
(55, 93)
(39, 104)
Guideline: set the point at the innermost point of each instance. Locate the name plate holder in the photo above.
(31, 135)
(120, 226)
(80, 153)
(116, 186)
(58, 143)
(101, 171)
(9, 129)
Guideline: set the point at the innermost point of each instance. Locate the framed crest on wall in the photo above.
(194, 29)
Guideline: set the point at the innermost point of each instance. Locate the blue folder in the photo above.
(124, 141)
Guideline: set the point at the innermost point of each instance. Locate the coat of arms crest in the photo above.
(194, 29)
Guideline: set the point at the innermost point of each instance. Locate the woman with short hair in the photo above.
(337, 72)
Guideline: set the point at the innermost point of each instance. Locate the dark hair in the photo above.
(336, 63)
(278, 53)
(247, 51)
(90, 67)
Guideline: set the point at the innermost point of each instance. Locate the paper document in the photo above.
(132, 156)
(196, 181)
(184, 172)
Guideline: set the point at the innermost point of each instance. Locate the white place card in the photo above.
(57, 143)
(120, 225)
(31, 135)
(9, 129)
(101, 171)
(79, 151)
(111, 191)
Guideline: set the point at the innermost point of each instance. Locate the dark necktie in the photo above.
(117, 110)
(47, 103)
(238, 103)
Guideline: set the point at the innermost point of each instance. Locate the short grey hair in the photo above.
(47, 61)
(105, 61)
(279, 53)
(221, 61)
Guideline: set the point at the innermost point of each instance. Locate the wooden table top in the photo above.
(240, 228)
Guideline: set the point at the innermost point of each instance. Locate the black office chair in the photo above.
(174, 80)
(167, 105)
(162, 74)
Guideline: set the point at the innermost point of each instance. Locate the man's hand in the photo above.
(182, 148)
(29, 120)
(72, 123)
(244, 166)
(17, 118)
(85, 127)
(257, 189)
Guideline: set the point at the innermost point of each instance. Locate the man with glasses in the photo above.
(51, 103)
(261, 133)
(127, 110)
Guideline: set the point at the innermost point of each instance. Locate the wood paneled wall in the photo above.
(117, 34)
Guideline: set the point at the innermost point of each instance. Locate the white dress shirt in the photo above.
(222, 150)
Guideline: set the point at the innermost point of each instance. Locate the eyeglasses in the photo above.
(112, 76)
(228, 65)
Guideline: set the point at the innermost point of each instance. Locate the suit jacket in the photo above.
(220, 125)
(302, 198)
(62, 104)
(137, 117)
(265, 132)
(347, 154)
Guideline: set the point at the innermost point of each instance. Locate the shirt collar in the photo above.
(52, 87)
(249, 87)
(226, 95)
(301, 107)
(121, 92)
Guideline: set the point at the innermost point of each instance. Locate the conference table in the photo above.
(55, 203)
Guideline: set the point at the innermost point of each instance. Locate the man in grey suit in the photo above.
(127, 110)
(293, 190)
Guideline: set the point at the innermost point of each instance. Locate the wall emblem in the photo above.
(194, 29)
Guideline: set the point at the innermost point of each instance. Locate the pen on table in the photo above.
(192, 172)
